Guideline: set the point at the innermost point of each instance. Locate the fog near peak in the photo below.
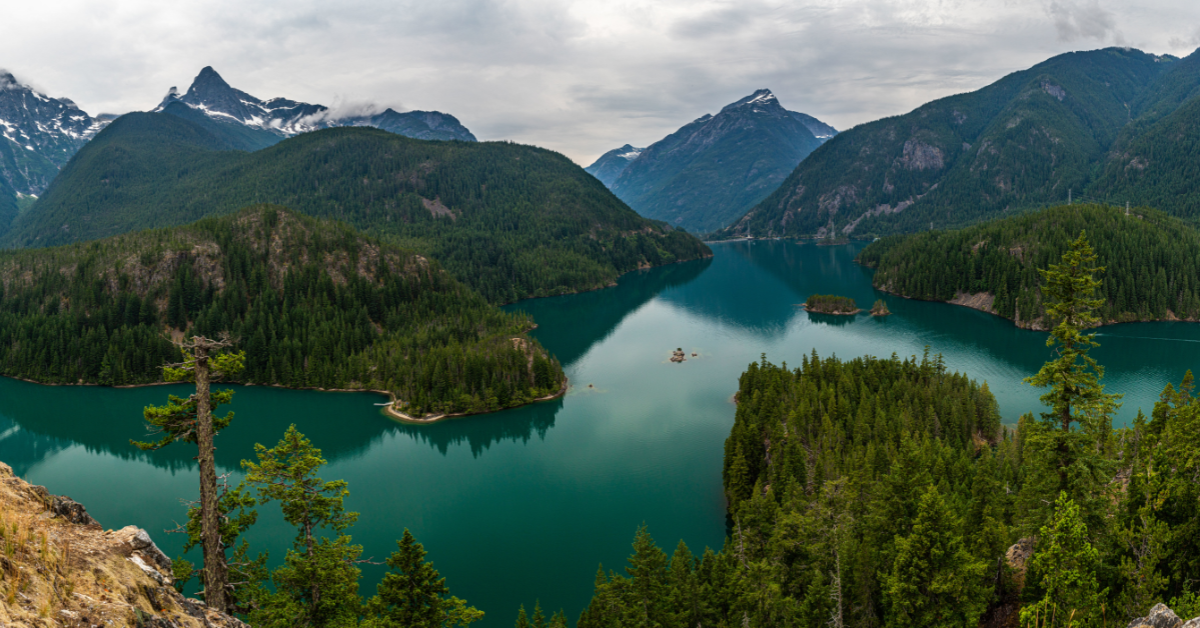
(574, 76)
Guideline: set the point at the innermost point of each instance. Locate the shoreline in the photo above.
(387, 408)
(611, 284)
(392, 413)
(856, 312)
(1036, 325)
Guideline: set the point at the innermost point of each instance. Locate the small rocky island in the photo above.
(880, 309)
(678, 355)
(831, 304)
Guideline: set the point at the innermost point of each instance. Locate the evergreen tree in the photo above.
(1067, 444)
(1064, 564)
(413, 595)
(934, 582)
(318, 583)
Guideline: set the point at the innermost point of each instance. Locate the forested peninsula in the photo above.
(1151, 260)
(885, 492)
(313, 303)
(508, 220)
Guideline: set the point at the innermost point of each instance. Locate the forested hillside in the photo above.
(511, 221)
(1152, 263)
(1152, 162)
(1113, 124)
(313, 304)
(884, 492)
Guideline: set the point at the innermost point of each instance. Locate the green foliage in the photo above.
(827, 466)
(510, 221)
(1067, 444)
(314, 304)
(317, 584)
(934, 582)
(1066, 565)
(413, 595)
(177, 420)
(1153, 262)
(1159, 522)
(830, 304)
(236, 514)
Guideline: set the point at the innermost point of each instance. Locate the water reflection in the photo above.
(832, 320)
(343, 425)
(571, 325)
(21, 449)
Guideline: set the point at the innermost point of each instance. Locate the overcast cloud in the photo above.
(577, 77)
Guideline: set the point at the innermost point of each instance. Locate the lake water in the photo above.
(524, 504)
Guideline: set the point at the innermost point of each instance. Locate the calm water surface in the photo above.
(524, 504)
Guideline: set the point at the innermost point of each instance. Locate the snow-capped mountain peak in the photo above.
(211, 94)
(760, 101)
(47, 130)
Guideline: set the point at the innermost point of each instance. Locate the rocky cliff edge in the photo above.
(59, 567)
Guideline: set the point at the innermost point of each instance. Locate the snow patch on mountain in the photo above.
(212, 95)
(48, 130)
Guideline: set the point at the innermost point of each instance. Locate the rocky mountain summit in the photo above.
(40, 134)
(610, 165)
(713, 169)
(210, 94)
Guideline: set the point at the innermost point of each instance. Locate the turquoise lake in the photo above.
(523, 505)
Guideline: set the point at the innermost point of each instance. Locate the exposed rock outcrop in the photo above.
(1161, 617)
(68, 571)
(1018, 555)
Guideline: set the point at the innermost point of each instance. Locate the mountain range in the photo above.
(511, 221)
(215, 97)
(1115, 125)
(710, 171)
(39, 135)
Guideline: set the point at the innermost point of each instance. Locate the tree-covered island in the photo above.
(831, 304)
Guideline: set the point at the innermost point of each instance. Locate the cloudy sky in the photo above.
(575, 76)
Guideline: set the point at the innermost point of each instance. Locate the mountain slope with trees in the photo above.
(1152, 263)
(511, 221)
(1081, 123)
(313, 304)
(711, 171)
